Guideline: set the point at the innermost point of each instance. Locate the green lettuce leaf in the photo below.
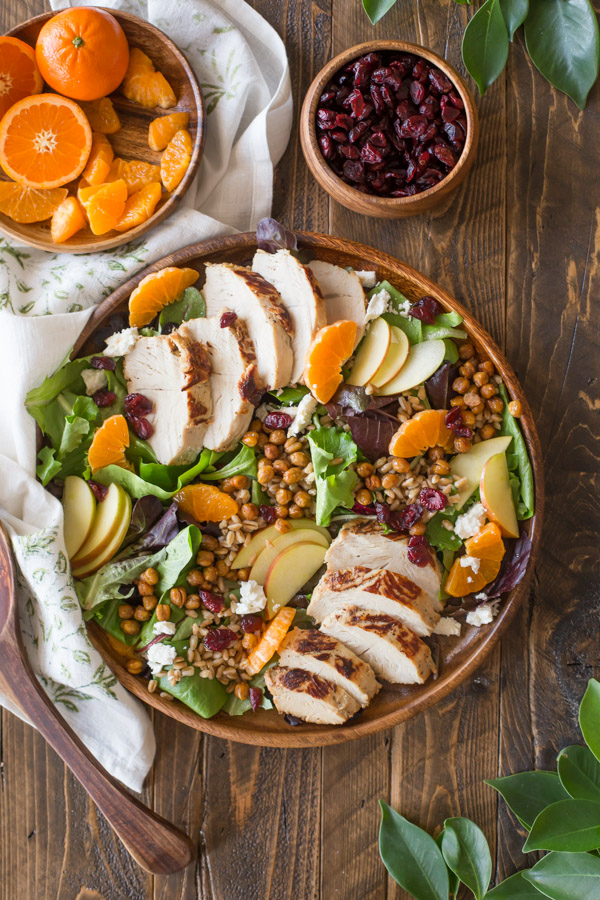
(68, 375)
(235, 707)
(203, 695)
(244, 463)
(334, 482)
(48, 465)
(134, 485)
(190, 305)
(290, 396)
(517, 458)
(438, 536)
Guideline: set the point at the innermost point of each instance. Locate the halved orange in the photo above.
(101, 115)
(19, 73)
(99, 160)
(104, 205)
(176, 159)
(415, 436)
(144, 85)
(161, 130)
(206, 503)
(109, 444)
(330, 349)
(45, 141)
(156, 291)
(67, 220)
(25, 205)
(488, 547)
(139, 207)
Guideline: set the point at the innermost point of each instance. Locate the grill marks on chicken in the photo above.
(297, 692)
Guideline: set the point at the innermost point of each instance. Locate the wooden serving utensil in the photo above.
(157, 845)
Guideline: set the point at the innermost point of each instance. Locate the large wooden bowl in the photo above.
(458, 657)
(131, 142)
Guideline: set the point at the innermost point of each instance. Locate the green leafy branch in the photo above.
(561, 36)
(559, 810)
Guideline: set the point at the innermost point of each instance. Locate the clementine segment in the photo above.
(67, 220)
(156, 291)
(176, 159)
(270, 641)
(45, 141)
(82, 53)
(206, 503)
(330, 349)
(99, 161)
(19, 73)
(25, 205)
(101, 115)
(161, 130)
(137, 174)
(105, 206)
(426, 429)
(144, 85)
(139, 207)
(109, 444)
(488, 547)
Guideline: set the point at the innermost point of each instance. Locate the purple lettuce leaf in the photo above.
(164, 530)
(439, 386)
(146, 511)
(513, 568)
(372, 433)
(272, 236)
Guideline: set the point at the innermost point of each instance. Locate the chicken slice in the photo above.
(376, 589)
(313, 651)
(297, 692)
(234, 382)
(343, 294)
(300, 295)
(391, 649)
(363, 542)
(258, 303)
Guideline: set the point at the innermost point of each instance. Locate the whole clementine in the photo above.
(82, 53)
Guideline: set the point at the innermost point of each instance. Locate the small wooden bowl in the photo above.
(457, 657)
(131, 141)
(371, 204)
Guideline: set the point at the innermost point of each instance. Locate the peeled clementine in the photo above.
(101, 115)
(206, 503)
(109, 443)
(99, 160)
(161, 130)
(176, 159)
(19, 74)
(135, 173)
(330, 349)
(26, 205)
(426, 429)
(488, 547)
(156, 291)
(67, 220)
(144, 85)
(139, 207)
(104, 205)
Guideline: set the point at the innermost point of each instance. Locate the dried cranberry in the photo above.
(346, 122)
(256, 696)
(362, 510)
(104, 398)
(456, 100)
(354, 171)
(326, 118)
(355, 133)
(454, 421)
(227, 319)
(211, 601)
(439, 81)
(426, 309)
(414, 127)
(327, 96)
(219, 639)
(445, 155)
(432, 499)
(404, 110)
(350, 151)
(417, 92)
(142, 427)
(371, 154)
(339, 136)
(137, 405)
(327, 146)
(278, 420)
(251, 623)
(376, 96)
(419, 551)
(399, 520)
(379, 76)
(450, 113)
(99, 490)
(268, 514)
(103, 362)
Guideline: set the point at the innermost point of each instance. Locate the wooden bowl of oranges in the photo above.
(101, 129)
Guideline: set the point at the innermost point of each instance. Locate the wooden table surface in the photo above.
(520, 247)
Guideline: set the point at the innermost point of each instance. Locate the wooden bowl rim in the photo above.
(334, 185)
(432, 691)
(169, 205)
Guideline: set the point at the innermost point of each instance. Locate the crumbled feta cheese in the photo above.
(481, 596)
(159, 655)
(470, 522)
(302, 414)
(165, 628)
(121, 343)
(95, 380)
(252, 598)
(367, 279)
(377, 305)
(484, 613)
(404, 308)
(448, 627)
(261, 412)
(472, 561)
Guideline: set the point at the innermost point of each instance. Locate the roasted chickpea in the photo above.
(241, 690)
(479, 408)
(373, 482)
(256, 425)
(250, 439)
(141, 614)
(302, 498)
(249, 511)
(130, 627)
(280, 465)
(292, 444)
(282, 511)
(486, 366)
(418, 528)
(457, 401)
(242, 574)
(293, 475)
(488, 391)
(467, 370)
(364, 469)
(178, 596)
(278, 437)
(441, 467)
(163, 612)
(515, 408)
(462, 445)
(282, 526)
(222, 568)
(204, 558)
(149, 602)
(390, 480)
(468, 417)
(125, 611)
(480, 378)
(249, 641)
(487, 432)
(399, 464)
(496, 404)
(150, 576)
(295, 511)
(265, 474)
(466, 350)
(134, 666)
(210, 574)
(271, 451)
(364, 497)
(192, 602)
(144, 588)
(460, 385)
(227, 486)
(472, 399)
(263, 440)
(299, 458)
(284, 496)
(435, 452)
(209, 542)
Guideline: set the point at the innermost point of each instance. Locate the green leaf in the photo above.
(412, 327)
(563, 42)
(515, 13)
(107, 616)
(453, 879)
(290, 396)
(242, 464)
(528, 793)
(412, 857)
(376, 9)
(438, 536)
(567, 876)
(589, 717)
(235, 707)
(76, 429)
(258, 496)
(67, 375)
(465, 849)
(179, 554)
(334, 482)
(451, 354)
(204, 695)
(579, 773)
(190, 305)
(439, 332)
(485, 45)
(173, 478)
(517, 458)
(571, 825)
(514, 888)
(133, 484)
(48, 466)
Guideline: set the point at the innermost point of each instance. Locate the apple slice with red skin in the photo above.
(496, 495)
(289, 571)
(371, 353)
(470, 465)
(249, 554)
(394, 360)
(79, 506)
(262, 565)
(108, 521)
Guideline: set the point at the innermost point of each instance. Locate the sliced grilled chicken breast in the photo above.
(364, 543)
(343, 294)
(391, 649)
(313, 651)
(258, 303)
(300, 295)
(173, 372)
(234, 382)
(309, 697)
(376, 589)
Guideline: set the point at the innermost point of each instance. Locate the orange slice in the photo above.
(109, 443)
(270, 641)
(25, 205)
(101, 115)
(176, 159)
(426, 429)
(19, 73)
(136, 173)
(206, 503)
(67, 220)
(45, 141)
(104, 205)
(139, 207)
(330, 349)
(487, 546)
(99, 161)
(144, 85)
(156, 291)
(161, 130)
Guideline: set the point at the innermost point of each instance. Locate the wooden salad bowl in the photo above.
(458, 657)
(131, 141)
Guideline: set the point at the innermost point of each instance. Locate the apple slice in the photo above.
(496, 495)
(262, 565)
(470, 465)
(107, 522)
(371, 352)
(291, 569)
(104, 556)
(422, 361)
(79, 507)
(394, 360)
(249, 554)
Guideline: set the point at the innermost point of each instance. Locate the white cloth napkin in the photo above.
(45, 299)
